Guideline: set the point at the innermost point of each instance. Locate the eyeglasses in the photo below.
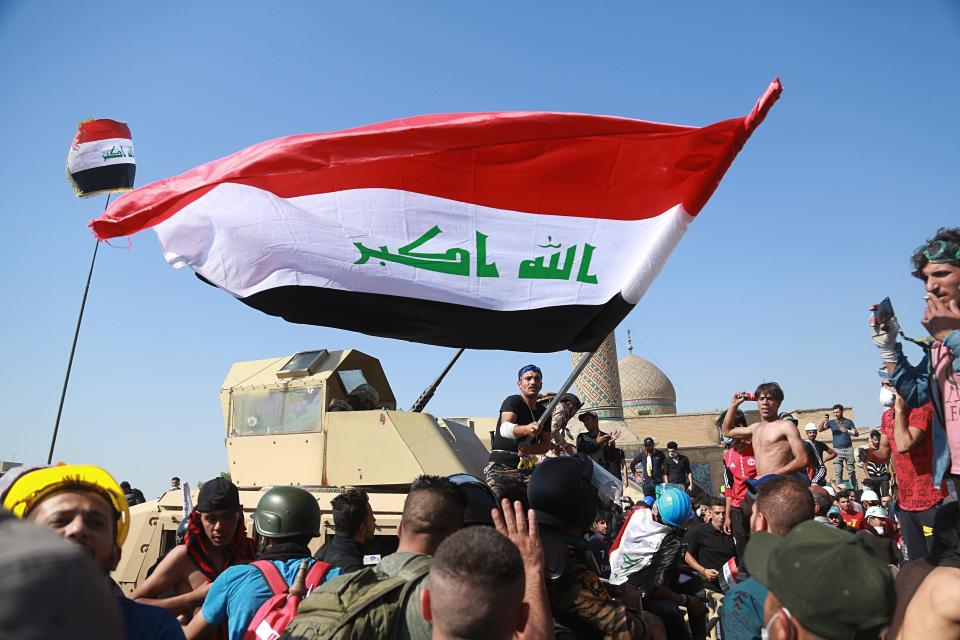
(938, 251)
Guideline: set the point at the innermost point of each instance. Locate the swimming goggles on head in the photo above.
(938, 251)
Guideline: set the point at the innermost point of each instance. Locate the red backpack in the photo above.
(275, 614)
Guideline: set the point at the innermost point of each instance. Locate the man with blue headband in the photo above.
(517, 438)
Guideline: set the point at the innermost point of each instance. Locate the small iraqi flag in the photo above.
(524, 231)
(101, 158)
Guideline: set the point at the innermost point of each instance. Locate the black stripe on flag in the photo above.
(112, 177)
(548, 329)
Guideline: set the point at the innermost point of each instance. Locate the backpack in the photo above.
(275, 614)
(363, 604)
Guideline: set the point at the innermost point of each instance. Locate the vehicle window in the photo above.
(256, 412)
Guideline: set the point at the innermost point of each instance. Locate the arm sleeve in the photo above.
(509, 404)
(587, 443)
(911, 382)
(214, 608)
(921, 418)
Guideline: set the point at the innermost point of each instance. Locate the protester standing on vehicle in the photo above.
(905, 439)
(739, 466)
(936, 378)
(777, 444)
(820, 454)
(652, 465)
(678, 468)
(842, 429)
(516, 437)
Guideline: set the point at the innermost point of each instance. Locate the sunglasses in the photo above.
(938, 251)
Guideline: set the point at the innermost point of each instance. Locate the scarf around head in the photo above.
(241, 549)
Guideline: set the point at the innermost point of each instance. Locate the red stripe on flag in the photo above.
(546, 163)
(101, 129)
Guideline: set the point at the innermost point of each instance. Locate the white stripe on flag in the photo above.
(267, 242)
(100, 153)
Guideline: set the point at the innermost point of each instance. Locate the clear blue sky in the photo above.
(853, 168)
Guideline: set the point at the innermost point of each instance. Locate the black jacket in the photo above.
(342, 552)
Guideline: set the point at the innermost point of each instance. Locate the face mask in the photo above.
(887, 398)
(879, 529)
(765, 632)
(674, 454)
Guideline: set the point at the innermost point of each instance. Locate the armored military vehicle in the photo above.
(280, 431)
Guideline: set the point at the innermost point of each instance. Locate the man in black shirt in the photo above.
(678, 467)
(599, 445)
(651, 463)
(354, 525)
(518, 435)
(819, 453)
(708, 547)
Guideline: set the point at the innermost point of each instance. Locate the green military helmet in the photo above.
(284, 512)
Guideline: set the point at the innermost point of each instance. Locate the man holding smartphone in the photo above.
(841, 428)
(936, 379)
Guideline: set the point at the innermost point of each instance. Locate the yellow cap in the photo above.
(34, 485)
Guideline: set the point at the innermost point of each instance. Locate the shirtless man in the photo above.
(777, 445)
(216, 539)
(927, 603)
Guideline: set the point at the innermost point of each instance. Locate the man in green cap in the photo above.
(823, 583)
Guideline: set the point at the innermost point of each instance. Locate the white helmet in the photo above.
(876, 512)
(810, 427)
(869, 494)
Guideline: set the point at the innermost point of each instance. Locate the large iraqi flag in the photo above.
(525, 231)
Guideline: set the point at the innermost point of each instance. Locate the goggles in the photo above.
(528, 368)
(938, 251)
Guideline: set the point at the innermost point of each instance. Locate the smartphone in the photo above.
(883, 312)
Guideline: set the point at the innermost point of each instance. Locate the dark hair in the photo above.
(837, 406)
(717, 502)
(125, 485)
(671, 445)
(349, 511)
(601, 517)
(739, 418)
(175, 478)
(434, 506)
(486, 565)
(920, 261)
(771, 389)
(874, 433)
(785, 503)
(822, 502)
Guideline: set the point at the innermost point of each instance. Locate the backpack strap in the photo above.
(317, 574)
(272, 575)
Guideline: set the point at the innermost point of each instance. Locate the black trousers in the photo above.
(912, 524)
(740, 528)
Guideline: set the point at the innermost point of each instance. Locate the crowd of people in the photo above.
(545, 545)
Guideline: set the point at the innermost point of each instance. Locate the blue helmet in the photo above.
(648, 500)
(674, 506)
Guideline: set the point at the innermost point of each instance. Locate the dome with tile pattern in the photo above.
(645, 389)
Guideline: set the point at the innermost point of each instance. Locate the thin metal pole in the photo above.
(566, 385)
(73, 347)
(427, 394)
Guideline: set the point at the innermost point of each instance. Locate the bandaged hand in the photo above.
(886, 339)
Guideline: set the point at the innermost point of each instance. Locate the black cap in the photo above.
(480, 499)
(585, 414)
(216, 495)
(648, 442)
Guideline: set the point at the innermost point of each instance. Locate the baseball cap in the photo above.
(216, 495)
(813, 558)
(869, 494)
(810, 427)
(648, 442)
(585, 414)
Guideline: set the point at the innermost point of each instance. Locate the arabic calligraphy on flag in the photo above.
(101, 158)
(526, 231)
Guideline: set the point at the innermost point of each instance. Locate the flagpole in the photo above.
(73, 347)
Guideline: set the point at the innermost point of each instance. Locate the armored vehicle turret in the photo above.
(296, 420)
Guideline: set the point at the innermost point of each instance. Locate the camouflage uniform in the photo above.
(581, 603)
(507, 482)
